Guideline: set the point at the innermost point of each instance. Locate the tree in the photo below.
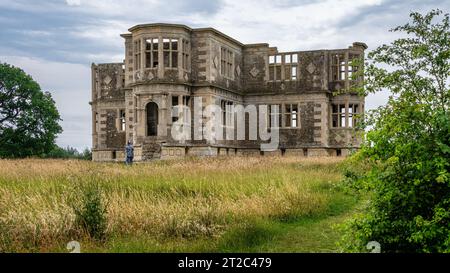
(69, 153)
(28, 117)
(405, 155)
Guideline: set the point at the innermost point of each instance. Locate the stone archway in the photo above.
(152, 119)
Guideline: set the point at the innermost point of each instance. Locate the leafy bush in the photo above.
(407, 149)
(90, 211)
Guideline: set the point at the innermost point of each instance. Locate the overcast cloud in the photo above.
(55, 41)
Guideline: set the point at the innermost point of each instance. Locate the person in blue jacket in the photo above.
(129, 153)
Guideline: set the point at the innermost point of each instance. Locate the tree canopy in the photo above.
(28, 116)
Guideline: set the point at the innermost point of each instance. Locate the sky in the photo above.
(55, 41)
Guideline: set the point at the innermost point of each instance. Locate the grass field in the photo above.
(243, 204)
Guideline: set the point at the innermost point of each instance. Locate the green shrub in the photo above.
(407, 148)
(90, 211)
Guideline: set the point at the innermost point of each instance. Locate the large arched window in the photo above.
(152, 119)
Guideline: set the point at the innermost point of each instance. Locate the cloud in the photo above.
(73, 2)
(304, 26)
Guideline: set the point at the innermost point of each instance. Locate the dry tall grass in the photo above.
(186, 198)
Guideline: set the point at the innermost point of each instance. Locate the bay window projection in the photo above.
(151, 53)
(226, 62)
(291, 115)
(170, 53)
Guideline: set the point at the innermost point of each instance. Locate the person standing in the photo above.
(129, 152)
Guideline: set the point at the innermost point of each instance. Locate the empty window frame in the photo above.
(271, 59)
(294, 73)
(186, 100)
(278, 59)
(186, 108)
(290, 67)
(340, 114)
(274, 116)
(227, 113)
(353, 66)
(151, 53)
(226, 62)
(287, 58)
(342, 69)
(122, 120)
(275, 68)
(278, 73)
(185, 55)
(291, 58)
(342, 65)
(350, 71)
(170, 53)
(291, 115)
(175, 106)
(137, 54)
(353, 111)
(338, 67)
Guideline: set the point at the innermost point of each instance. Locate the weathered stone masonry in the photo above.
(167, 65)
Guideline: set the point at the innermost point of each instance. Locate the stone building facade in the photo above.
(168, 65)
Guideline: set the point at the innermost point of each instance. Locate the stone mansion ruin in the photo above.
(168, 65)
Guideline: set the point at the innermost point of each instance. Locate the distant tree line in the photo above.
(69, 153)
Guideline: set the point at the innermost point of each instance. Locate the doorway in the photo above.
(152, 119)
